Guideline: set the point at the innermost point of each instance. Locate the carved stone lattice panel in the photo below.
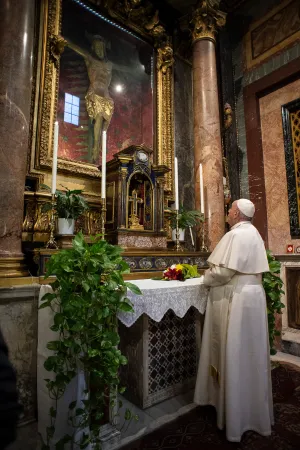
(172, 351)
(162, 357)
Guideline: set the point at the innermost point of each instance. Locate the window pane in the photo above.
(68, 98)
(67, 117)
(68, 107)
(74, 120)
(75, 110)
(75, 100)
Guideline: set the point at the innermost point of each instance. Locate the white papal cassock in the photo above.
(234, 368)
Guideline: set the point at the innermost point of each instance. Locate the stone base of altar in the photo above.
(137, 239)
(140, 261)
(162, 357)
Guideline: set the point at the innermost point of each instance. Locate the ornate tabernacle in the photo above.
(135, 199)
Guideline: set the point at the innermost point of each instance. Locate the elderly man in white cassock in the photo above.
(234, 369)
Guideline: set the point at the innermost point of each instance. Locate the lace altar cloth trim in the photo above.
(160, 296)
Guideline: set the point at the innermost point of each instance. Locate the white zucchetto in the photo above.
(246, 207)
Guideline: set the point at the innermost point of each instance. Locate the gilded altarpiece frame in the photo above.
(142, 20)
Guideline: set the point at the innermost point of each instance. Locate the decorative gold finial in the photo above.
(207, 19)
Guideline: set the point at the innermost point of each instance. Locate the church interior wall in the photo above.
(279, 235)
(251, 12)
(183, 133)
(18, 305)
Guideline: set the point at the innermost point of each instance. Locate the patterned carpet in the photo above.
(197, 429)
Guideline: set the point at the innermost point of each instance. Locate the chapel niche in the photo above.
(135, 199)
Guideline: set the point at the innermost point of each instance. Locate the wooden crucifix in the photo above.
(134, 217)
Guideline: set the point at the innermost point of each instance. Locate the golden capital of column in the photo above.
(207, 19)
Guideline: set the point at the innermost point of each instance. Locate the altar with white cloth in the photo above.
(161, 339)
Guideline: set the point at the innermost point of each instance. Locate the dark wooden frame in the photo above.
(291, 272)
(252, 93)
(286, 110)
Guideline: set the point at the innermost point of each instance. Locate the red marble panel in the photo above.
(274, 166)
(252, 93)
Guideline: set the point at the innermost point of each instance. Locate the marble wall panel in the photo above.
(18, 322)
(274, 166)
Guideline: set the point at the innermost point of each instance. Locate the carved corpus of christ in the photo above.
(99, 104)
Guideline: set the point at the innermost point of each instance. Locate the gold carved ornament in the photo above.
(141, 17)
(207, 19)
(52, 47)
(56, 47)
(165, 58)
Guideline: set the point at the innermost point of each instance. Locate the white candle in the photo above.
(176, 184)
(201, 190)
(54, 159)
(192, 239)
(103, 180)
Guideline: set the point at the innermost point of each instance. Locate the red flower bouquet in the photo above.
(180, 272)
(173, 273)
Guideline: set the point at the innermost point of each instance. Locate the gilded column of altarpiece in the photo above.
(64, 63)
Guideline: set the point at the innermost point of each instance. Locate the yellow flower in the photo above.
(179, 266)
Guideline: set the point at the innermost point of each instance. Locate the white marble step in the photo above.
(285, 357)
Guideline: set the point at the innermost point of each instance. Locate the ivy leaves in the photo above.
(88, 293)
(273, 284)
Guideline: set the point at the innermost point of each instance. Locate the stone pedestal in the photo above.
(18, 322)
(207, 133)
(16, 60)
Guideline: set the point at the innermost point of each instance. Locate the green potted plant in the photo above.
(272, 284)
(88, 292)
(186, 219)
(69, 205)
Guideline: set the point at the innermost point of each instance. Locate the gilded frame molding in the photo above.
(143, 20)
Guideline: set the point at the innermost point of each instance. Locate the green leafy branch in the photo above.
(88, 293)
(186, 219)
(273, 284)
(70, 204)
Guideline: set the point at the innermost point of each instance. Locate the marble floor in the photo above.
(149, 419)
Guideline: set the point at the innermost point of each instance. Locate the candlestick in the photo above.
(176, 184)
(201, 190)
(54, 159)
(103, 179)
(203, 247)
(178, 246)
(51, 242)
(103, 218)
